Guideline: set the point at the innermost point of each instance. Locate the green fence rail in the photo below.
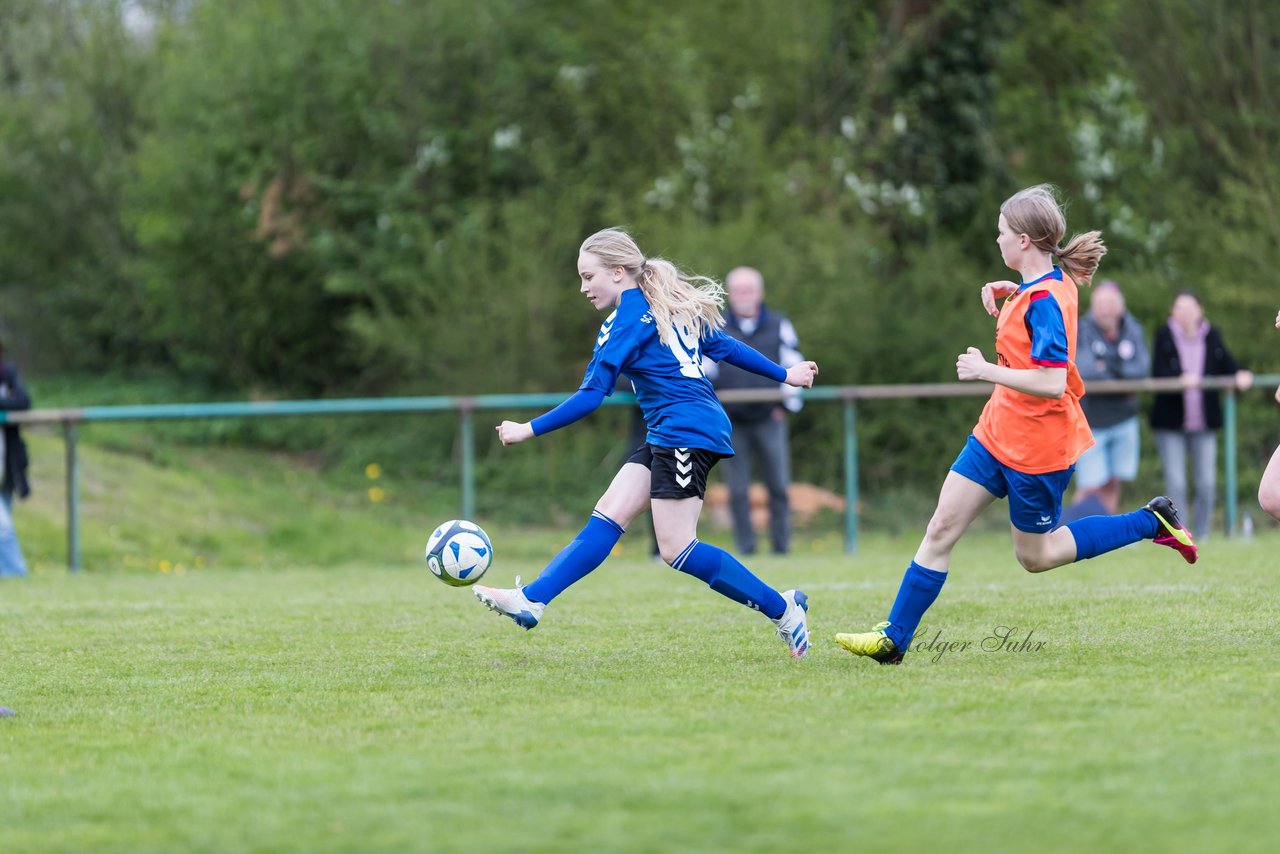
(466, 407)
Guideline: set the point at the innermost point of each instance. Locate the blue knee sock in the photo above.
(727, 577)
(919, 588)
(587, 551)
(1096, 535)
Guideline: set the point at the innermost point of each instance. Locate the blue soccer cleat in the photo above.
(511, 602)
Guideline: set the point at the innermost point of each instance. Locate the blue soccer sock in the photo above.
(920, 586)
(576, 560)
(728, 577)
(1096, 535)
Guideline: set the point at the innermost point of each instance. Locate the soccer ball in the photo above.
(459, 552)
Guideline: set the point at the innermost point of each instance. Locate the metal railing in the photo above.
(466, 407)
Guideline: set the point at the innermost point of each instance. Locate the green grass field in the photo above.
(370, 708)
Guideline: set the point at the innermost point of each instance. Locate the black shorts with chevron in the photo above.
(676, 472)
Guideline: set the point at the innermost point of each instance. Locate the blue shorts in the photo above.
(1114, 455)
(1035, 500)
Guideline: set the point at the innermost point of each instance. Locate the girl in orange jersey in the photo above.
(1269, 489)
(1031, 431)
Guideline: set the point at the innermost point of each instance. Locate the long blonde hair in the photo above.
(1036, 213)
(670, 292)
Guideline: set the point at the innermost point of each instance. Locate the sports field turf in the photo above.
(372, 708)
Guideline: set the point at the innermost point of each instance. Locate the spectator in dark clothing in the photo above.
(13, 453)
(759, 429)
(1186, 422)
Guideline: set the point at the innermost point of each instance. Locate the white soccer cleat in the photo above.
(512, 602)
(793, 625)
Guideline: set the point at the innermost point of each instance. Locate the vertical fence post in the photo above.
(468, 461)
(1229, 459)
(73, 499)
(850, 477)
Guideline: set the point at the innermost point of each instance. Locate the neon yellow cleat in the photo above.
(874, 644)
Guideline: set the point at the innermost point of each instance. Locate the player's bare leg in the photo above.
(1042, 552)
(959, 503)
(627, 496)
(1269, 489)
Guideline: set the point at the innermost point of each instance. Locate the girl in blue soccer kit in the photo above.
(662, 325)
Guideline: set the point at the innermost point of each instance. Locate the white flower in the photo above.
(506, 138)
(433, 153)
(575, 75)
(749, 98)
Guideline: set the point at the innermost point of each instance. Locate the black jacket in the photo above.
(1166, 409)
(13, 395)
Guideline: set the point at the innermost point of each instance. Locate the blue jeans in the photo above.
(11, 563)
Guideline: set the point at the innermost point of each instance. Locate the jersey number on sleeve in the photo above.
(684, 346)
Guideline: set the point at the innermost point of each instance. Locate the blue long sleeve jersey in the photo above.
(679, 405)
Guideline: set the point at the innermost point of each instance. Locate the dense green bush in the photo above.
(298, 197)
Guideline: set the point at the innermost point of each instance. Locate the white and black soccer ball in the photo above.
(459, 552)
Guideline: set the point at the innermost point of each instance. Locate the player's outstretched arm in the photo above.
(514, 432)
(1041, 382)
(801, 374)
(723, 348)
(581, 404)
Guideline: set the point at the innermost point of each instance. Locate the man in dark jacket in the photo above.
(759, 429)
(13, 453)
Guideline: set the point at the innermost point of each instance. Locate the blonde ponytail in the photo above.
(1081, 256)
(673, 296)
(1036, 213)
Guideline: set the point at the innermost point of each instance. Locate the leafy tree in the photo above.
(72, 95)
(316, 196)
